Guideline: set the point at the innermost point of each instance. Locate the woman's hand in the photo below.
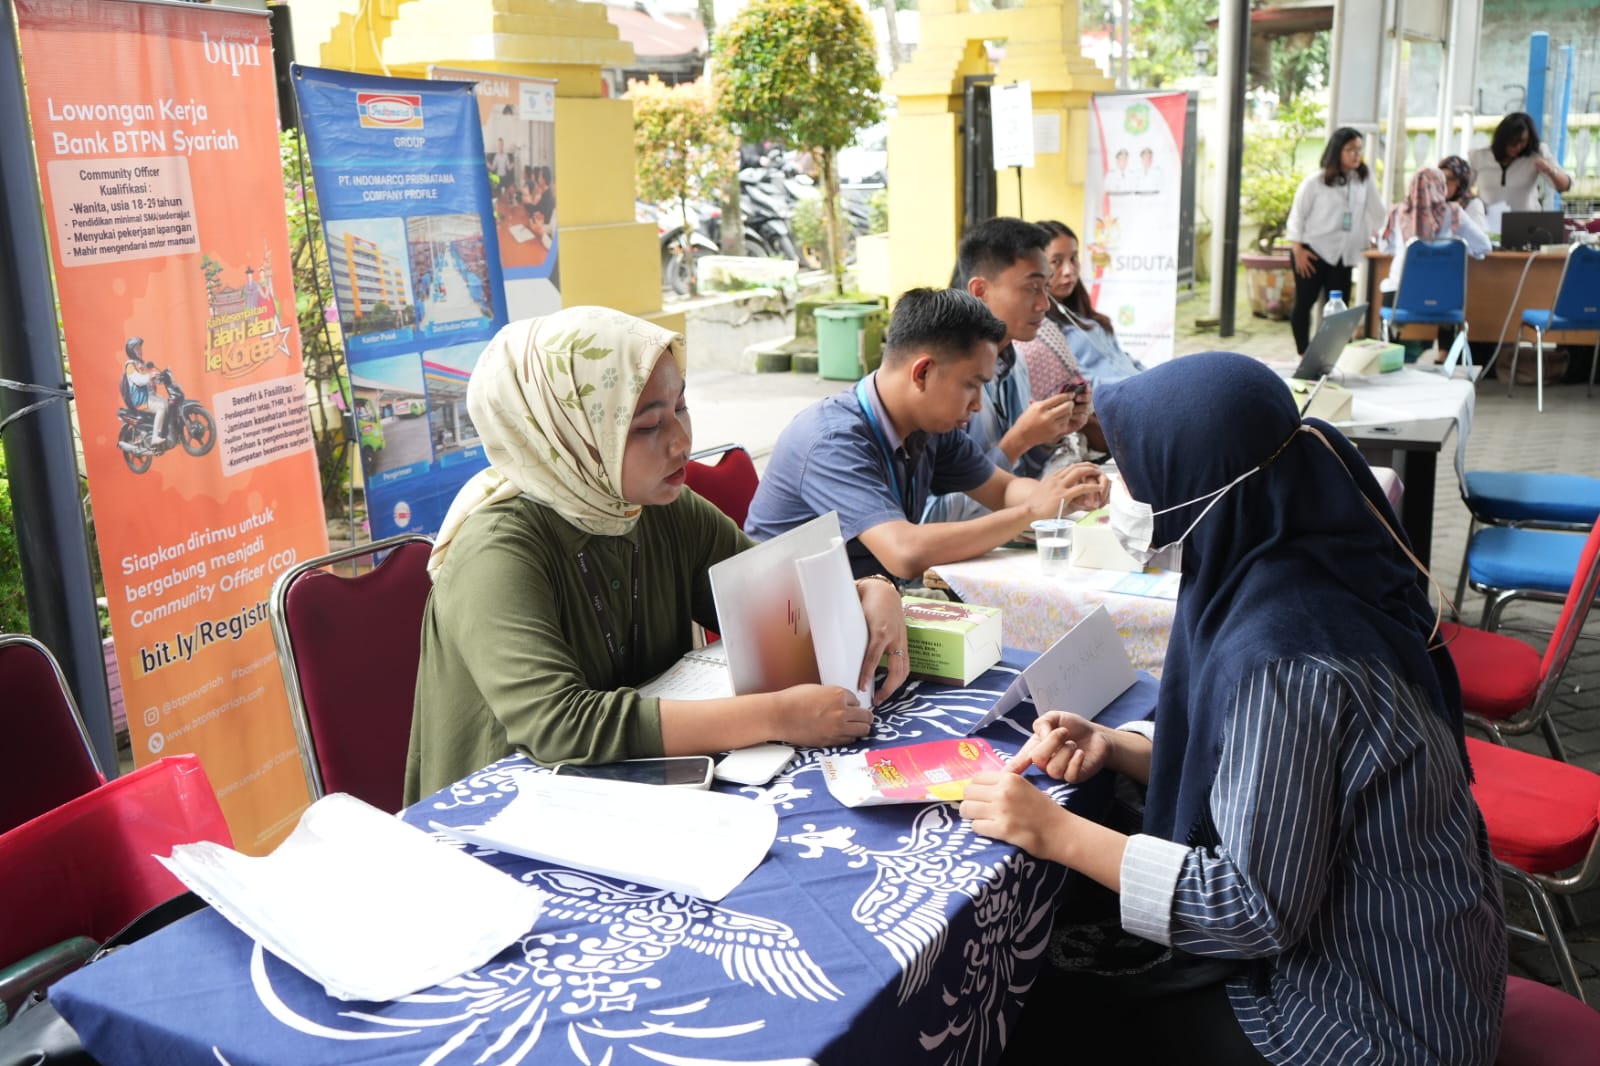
(886, 636)
(1304, 258)
(1010, 808)
(820, 716)
(1066, 746)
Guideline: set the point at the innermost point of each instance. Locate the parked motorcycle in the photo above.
(675, 267)
(767, 207)
(189, 425)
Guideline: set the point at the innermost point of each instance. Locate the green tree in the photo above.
(803, 72)
(681, 149)
(13, 604)
(321, 348)
(1273, 174)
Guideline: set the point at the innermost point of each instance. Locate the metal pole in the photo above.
(1538, 78)
(1394, 144)
(40, 459)
(1234, 30)
(1564, 110)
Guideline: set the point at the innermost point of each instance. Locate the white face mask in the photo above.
(1133, 522)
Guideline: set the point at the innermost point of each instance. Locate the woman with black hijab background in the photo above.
(1311, 856)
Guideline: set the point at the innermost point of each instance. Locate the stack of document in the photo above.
(680, 839)
(361, 902)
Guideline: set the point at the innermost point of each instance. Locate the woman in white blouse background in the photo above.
(1509, 169)
(1335, 213)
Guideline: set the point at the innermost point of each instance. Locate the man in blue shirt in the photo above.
(875, 453)
(1003, 262)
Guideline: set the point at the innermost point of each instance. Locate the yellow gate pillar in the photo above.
(606, 256)
(925, 142)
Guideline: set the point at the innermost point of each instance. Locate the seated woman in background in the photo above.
(1426, 215)
(1311, 856)
(572, 569)
(1458, 189)
(1075, 342)
(1509, 169)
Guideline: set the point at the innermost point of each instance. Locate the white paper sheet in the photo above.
(838, 627)
(361, 902)
(680, 839)
(1082, 672)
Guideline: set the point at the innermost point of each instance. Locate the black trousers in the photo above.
(1308, 291)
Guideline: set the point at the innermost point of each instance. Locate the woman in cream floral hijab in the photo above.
(571, 570)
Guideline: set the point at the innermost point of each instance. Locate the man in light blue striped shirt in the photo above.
(1308, 813)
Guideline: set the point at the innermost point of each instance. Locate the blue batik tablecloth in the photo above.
(882, 935)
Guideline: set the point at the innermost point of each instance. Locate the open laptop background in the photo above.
(1326, 347)
(1530, 230)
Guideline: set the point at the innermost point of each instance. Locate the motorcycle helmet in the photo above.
(134, 348)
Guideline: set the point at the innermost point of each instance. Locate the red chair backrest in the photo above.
(44, 759)
(730, 483)
(1580, 597)
(86, 867)
(355, 642)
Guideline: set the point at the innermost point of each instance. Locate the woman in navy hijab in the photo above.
(1308, 820)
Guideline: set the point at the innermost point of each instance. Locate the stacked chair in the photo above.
(76, 853)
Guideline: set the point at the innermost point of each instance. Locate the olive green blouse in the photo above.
(514, 655)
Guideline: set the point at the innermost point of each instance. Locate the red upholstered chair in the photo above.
(1544, 1026)
(1544, 824)
(1507, 688)
(730, 483)
(348, 648)
(85, 868)
(46, 758)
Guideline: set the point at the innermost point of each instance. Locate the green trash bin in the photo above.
(849, 340)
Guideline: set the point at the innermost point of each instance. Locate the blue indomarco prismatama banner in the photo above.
(408, 218)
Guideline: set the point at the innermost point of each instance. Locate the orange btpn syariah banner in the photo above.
(156, 130)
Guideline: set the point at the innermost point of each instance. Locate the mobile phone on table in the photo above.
(683, 771)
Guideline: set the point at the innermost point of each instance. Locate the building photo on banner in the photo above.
(1132, 195)
(156, 133)
(400, 173)
(519, 141)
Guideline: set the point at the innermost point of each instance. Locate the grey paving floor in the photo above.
(1507, 434)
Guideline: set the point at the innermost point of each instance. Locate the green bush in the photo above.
(13, 604)
(878, 211)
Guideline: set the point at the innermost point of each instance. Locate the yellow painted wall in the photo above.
(925, 150)
(606, 256)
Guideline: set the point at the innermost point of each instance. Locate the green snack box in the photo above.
(951, 642)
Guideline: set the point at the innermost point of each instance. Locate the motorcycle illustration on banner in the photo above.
(153, 425)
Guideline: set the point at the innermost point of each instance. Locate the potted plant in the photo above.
(1266, 195)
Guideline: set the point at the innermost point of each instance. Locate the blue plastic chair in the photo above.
(1577, 307)
(1508, 564)
(1433, 292)
(1565, 502)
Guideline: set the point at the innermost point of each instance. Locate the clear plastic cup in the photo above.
(1053, 539)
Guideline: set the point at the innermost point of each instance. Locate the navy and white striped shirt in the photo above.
(1350, 863)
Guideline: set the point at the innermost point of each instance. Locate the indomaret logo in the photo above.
(229, 52)
(392, 111)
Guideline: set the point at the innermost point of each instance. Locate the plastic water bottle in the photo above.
(1334, 305)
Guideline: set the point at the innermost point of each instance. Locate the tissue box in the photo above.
(1095, 546)
(1371, 356)
(1331, 405)
(951, 642)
